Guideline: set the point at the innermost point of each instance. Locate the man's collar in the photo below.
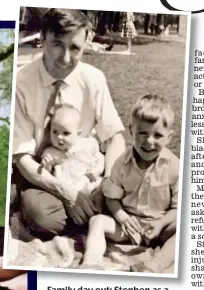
(164, 154)
(48, 80)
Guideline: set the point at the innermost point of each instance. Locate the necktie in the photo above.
(55, 97)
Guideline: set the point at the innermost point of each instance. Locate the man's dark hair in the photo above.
(62, 21)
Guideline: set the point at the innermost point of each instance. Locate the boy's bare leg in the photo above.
(100, 227)
(165, 256)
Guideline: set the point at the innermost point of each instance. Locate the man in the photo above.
(47, 203)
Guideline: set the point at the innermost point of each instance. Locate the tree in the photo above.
(6, 51)
(4, 145)
(6, 72)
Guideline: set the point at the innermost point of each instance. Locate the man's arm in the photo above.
(108, 124)
(79, 206)
(114, 148)
(39, 176)
(99, 165)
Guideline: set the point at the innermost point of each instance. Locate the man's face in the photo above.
(62, 53)
(149, 139)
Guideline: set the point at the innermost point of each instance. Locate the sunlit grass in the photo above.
(156, 68)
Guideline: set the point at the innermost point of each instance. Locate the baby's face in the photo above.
(150, 138)
(63, 133)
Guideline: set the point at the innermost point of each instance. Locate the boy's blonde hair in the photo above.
(151, 108)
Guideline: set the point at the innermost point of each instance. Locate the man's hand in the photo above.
(83, 209)
(153, 230)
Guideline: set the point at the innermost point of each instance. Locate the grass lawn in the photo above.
(156, 68)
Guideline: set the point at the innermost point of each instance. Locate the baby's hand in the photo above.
(47, 162)
(91, 176)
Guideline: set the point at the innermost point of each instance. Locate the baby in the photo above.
(141, 193)
(72, 157)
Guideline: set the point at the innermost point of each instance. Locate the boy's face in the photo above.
(63, 133)
(62, 53)
(150, 138)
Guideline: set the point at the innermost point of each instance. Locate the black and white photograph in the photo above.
(100, 193)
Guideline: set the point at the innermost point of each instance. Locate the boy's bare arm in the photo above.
(169, 218)
(116, 209)
(156, 226)
(129, 223)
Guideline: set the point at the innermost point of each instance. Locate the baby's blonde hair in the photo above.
(151, 108)
(66, 111)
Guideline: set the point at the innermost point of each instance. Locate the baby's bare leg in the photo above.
(100, 227)
(166, 255)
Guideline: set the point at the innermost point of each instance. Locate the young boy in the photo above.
(72, 157)
(141, 193)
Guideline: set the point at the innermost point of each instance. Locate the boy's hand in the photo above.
(153, 230)
(131, 225)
